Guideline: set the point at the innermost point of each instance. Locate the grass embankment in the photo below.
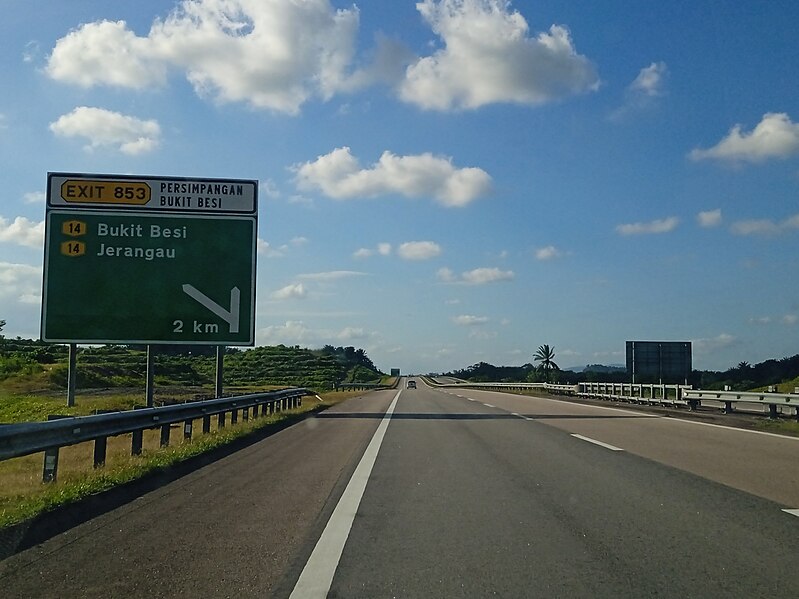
(24, 496)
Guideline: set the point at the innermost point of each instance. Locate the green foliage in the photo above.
(546, 355)
(17, 363)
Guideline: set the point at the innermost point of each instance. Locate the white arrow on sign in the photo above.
(229, 316)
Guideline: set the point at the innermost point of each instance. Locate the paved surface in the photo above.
(461, 499)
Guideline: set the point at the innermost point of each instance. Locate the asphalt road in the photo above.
(479, 495)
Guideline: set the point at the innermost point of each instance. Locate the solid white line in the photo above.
(317, 575)
(595, 442)
(488, 405)
(470, 399)
(792, 512)
(731, 428)
(516, 414)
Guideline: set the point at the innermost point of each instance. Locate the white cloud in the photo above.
(299, 241)
(649, 81)
(351, 333)
(488, 57)
(362, 253)
(710, 218)
(270, 54)
(106, 53)
(478, 276)
(452, 302)
(340, 176)
(34, 197)
(505, 322)
(643, 92)
(709, 345)
(21, 281)
(383, 249)
(295, 332)
(548, 253)
(22, 231)
(267, 249)
(765, 227)
(418, 250)
(293, 291)
(333, 275)
(269, 189)
(31, 51)
(468, 320)
(446, 275)
(775, 136)
(291, 332)
(790, 319)
(104, 128)
(665, 225)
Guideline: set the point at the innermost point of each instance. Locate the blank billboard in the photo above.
(667, 362)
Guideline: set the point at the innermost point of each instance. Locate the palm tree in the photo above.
(546, 355)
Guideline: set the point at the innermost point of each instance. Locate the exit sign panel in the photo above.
(115, 277)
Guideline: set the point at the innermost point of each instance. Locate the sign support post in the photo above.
(220, 369)
(72, 374)
(150, 384)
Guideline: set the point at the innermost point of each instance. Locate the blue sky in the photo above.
(441, 182)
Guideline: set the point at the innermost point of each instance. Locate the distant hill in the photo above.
(782, 372)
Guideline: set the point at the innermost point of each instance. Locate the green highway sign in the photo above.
(147, 277)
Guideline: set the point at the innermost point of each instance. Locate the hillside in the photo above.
(45, 366)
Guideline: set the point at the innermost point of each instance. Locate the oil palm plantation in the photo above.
(546, 356)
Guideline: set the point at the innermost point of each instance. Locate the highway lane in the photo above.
(230, 529)
(467, 500)
(457, 499)
(760, 463)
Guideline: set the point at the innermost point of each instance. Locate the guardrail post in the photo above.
(100, 445)
(206, 424)
(50, 471)
(220, 420)
(693, 404)
(165, 435)
(234, 416)
(263, 409)
(136, 443)
(772, 411)
(187, 426)
(728, 409)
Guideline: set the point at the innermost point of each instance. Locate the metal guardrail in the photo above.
(649, 394)
(639, 393)
(466, 385)
(32, 437)
(772, 400)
